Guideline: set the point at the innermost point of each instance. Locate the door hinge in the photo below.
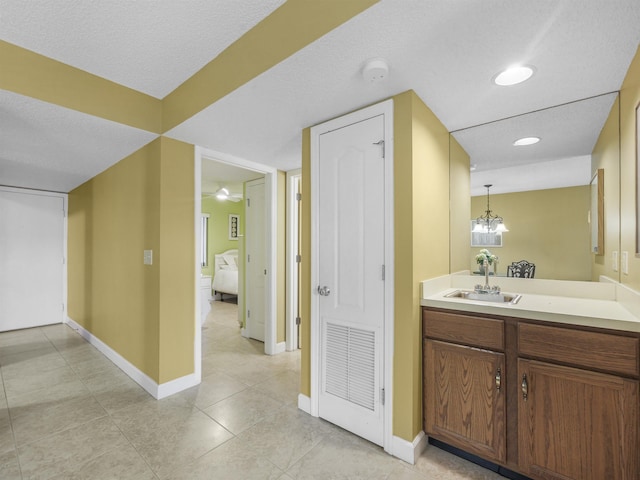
(63, 260)
(298, 196)
(382, 396)
(298, 320)
(265, 271)
(248, 258)
(248, 313)
(381, 143)
(383, 272)
(63, 307)
(298, 258)
(248, 202)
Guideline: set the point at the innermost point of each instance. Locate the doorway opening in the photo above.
(215, 171)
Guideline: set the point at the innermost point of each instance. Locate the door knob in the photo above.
(324, 291)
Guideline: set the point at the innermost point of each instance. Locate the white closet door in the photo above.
(31, 259)
(352, 289)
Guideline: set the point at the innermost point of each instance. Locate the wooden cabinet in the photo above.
(550, 401)
(576, 424)
(465, 401)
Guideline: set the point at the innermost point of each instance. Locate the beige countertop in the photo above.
(577, 303)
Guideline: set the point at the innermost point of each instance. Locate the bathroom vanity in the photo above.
(547, 387)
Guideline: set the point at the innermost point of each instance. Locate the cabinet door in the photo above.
(576, 424)
(464, 398)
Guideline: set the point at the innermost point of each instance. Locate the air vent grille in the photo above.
(350, 364)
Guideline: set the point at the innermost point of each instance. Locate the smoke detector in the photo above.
(375, 70)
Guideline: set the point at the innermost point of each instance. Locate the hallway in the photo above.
(67, 412)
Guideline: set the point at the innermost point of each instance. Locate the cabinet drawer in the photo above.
(464, 329)
(601, 351)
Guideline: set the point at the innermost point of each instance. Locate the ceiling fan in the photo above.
(224, 194)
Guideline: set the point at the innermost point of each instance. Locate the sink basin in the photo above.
(509, 298)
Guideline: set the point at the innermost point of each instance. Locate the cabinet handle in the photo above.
(525, 387)
(498, 379)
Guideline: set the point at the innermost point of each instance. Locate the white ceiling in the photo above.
(150, 46)
(447, 52)
(47, 147)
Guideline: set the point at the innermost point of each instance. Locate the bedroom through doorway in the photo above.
(223, 246)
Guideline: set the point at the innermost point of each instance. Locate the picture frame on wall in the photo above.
(234, 224)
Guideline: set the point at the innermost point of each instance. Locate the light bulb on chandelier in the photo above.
(489, 222)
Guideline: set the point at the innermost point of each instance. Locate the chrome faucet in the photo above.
(486, 288)
(485, 264)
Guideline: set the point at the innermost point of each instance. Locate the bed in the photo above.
(225, 274)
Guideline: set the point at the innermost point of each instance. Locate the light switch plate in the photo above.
(625, 263)
(148, 257)
(614, 260)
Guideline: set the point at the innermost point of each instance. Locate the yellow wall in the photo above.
(460, 207)
(546, 227)
(629, 100)
(606, 155)
(219, 227)
(177, 254)
(291, 27)
(421, 236)
(33, 75)
(143, 312)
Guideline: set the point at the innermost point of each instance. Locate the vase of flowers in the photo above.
(485, 255)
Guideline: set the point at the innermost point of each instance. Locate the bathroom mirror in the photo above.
(543, 191)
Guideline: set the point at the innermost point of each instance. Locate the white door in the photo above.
(31, 259)
(351, 232)
(256, 272)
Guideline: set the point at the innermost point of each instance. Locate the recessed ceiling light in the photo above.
(473, 167)
(521, 142)
(513, 75)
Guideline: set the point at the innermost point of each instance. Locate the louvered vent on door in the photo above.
(350, 364)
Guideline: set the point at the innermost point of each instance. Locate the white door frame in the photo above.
(293, 176)
(271, 190)
(384, 108)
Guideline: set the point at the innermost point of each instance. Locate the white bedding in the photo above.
(225, 273)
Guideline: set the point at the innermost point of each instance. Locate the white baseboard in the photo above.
(304, 403)
(158, 391)
(408, 451)
(244, 332)
(400, 448)
(174, 386)
(280, 348)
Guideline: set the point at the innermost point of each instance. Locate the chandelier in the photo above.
(489, 223)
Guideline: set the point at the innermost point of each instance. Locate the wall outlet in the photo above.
(148, 257)
(614, 260)
(625, 263)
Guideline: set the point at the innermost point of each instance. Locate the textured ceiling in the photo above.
(150, 46)
(65, 147)
(447, 52)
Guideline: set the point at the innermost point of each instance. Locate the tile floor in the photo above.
(66, 412)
